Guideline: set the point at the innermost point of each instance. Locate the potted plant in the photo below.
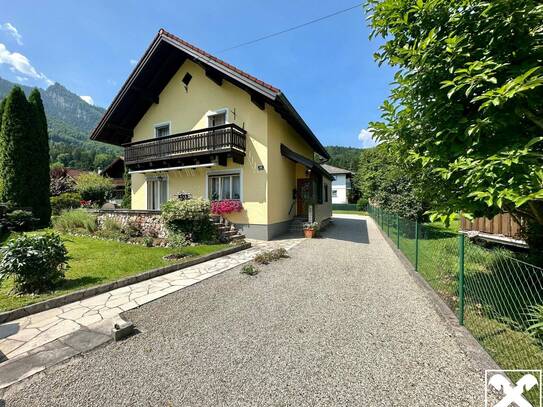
(310, 229)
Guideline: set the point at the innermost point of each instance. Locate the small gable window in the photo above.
(162, 130)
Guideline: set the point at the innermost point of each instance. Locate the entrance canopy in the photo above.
(306, 162)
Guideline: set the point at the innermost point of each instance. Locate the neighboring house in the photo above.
(341, 185)
(191, 123)
(115, 171)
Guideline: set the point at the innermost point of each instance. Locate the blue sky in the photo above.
(325, 69)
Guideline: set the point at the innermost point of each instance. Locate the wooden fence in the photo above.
(502, 224)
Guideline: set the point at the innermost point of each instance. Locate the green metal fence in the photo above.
(496, 295)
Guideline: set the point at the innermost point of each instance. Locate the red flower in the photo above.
(226, 206)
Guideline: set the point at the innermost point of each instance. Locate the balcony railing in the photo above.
(213, 140)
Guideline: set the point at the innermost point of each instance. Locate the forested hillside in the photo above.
(70, 120)
(344, 157)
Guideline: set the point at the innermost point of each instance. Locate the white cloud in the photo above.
(366, 137)
(88, 99)
(18, 63)
(133, 62)
(21, 78)
(11, 30)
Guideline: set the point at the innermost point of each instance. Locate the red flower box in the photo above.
(226, 206)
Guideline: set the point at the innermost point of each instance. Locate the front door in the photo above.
(303, 196)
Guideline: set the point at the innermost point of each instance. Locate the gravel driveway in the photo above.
(339, 323)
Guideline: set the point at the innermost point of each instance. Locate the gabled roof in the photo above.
(160, 62)
(336, 170)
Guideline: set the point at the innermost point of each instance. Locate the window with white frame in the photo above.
(162, 130)
(224, 186)
(217, 119)
(334, 193)
(157, 192)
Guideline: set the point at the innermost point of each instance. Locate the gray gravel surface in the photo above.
(339, 323)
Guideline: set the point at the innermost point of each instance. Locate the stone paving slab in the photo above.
(22, 337)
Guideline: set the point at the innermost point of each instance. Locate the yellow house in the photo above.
(192, 124)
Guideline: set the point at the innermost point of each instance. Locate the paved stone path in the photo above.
(22, 336)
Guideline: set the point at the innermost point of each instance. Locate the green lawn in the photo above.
(345, 212)
(94, 261)
(499, 288)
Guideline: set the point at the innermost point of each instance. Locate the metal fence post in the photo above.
(398, 231)
(388, 225)
(461, 278)
(416, 245)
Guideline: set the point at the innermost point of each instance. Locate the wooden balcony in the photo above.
(219, 140)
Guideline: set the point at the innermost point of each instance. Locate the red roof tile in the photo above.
(220, 61)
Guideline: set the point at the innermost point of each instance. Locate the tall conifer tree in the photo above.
(16, 169)
(40, 160)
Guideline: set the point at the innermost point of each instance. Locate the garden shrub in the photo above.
(36, 263)
(189, 218)
(75, 221)
(250, 270)
(132, 229)
(111, 229)
(21, 220)
(271, 255)
(362, 204)
(94, 187)
(177, 240)
(67, 200)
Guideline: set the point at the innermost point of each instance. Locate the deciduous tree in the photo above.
(468, 100)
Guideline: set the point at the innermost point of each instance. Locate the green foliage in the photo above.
(362, 204)
(250, 270)
(94, 187)
(271, 255)
(16, 166)
(36, 263)
(344, 157)
(127, 197)
(189, 218)
(468, 99)
(75, 221)
(177, 240)
(69, 121)
(38, 158)
(21, 220)
(391, 183)
(111, 229)
(536, 320)
(67, 200)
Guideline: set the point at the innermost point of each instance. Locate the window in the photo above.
(224, 186)
(216, 119)
(325, 193)
(334, 193)
(157, 192)
(162, 130)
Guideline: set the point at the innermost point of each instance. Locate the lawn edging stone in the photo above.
(103, 288)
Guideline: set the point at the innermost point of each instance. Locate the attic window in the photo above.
(162, 130)
(186, 79)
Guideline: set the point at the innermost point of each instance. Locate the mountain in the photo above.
(70, 121)
(344, 157)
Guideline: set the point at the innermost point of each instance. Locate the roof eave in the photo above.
(317, 145)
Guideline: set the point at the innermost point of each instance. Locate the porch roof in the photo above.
(306, 162)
